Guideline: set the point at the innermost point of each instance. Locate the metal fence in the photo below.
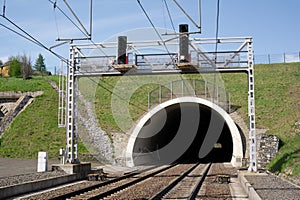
(277, 58)
(190, 87)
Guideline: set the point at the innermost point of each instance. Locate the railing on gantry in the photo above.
(190, 87)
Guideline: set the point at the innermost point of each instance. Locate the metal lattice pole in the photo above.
(62, 100)
(251, 110)
(71, 129)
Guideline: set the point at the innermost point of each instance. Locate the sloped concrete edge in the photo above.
(252, 194)
(14, 190)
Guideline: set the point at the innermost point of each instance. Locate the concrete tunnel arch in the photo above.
(153, 141)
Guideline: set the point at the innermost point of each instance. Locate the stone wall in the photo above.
(267, 148)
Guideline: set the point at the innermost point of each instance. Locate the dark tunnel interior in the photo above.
(150, 146)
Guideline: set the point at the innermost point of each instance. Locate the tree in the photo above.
(20, 66)
(1, 63)
(39, 64)
(26, 69)
(15, 68)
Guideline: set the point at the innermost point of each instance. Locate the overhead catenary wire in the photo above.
(216, 45)
(55, 18)
(116, 94)
(4, 7)
(30, 38)
(155, 29)
(84, 33)
(76, 17)
(217, 29)
(57, 7)
(186, 14)
(23, 36)
(169, 14)
(164, 15)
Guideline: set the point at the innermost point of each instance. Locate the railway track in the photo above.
(181, 181)
(83, 187)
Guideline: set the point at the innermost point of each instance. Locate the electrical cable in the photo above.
(164, 17)
(87, 36)
(55, 18)
(31, 38)
(217, 29)
(216, 47)
(4, 7)
(155, 29)
(186, 14)
(111, 92)
(78, 20)
(23, 36)
(170, 17)
(153, 26)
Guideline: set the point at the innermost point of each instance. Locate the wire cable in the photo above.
(116, 94)
(170, 17)
(216, 47)
(217, 29)
(87, 36)
(164, 15)
(4, 7)
(30, 38)
(23, 36)
(155, 29)
(55, 18)
(78, 20)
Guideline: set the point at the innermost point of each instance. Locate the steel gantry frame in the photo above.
(72, 110)
(82, 65)
(251, 110)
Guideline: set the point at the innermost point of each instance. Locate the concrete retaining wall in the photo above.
(250, 191)
(15, 190)
(75, 172)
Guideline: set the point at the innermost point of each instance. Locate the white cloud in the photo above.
(4, 59)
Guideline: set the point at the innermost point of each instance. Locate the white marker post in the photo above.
(42, 162)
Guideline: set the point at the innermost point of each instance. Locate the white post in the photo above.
(42, 162)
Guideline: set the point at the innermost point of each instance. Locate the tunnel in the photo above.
(184, 130)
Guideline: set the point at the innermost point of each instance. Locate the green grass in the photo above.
(277, 95)
(18, 84)
(35, 129)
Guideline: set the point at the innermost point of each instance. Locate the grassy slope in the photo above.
(35, 129)
(277, 109)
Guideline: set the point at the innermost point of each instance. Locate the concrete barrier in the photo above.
(252, 194)
(74, 172)
(15, 190)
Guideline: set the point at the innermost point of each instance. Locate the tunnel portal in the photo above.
(186, 129)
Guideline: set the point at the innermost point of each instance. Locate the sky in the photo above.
(273, 24)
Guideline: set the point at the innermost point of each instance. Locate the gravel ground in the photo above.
(272, 187)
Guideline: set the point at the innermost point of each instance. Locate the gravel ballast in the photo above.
(269, 186)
